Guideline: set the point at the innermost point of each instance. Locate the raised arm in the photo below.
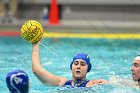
(43, 75)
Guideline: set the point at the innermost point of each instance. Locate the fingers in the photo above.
(92, 83)
(101, 81)
(37, 43)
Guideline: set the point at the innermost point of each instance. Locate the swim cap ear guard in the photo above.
(17, 81)
(84, 57)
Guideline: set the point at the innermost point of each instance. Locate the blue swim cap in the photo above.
(17, 81)
(84, 57)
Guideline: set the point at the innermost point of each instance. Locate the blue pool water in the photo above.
(111, 59)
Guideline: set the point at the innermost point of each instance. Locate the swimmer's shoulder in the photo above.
(62, 81)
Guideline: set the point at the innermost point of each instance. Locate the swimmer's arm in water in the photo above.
(94, 82)
(43, 75)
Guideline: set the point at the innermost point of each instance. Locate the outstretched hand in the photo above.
(92, 83)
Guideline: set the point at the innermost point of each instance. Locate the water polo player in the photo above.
(80, 66)
(17, 82)
(136, 70)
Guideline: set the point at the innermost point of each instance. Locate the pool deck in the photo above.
(80, 29)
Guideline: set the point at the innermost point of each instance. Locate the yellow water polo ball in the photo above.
(32, 31)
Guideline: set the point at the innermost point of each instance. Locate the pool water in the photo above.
(111, 60)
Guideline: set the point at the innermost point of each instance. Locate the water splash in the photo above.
(122, 81)
(51, 49)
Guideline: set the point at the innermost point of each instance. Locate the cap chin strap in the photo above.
(78, 81)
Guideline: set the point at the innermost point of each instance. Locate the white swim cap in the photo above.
(137, 57)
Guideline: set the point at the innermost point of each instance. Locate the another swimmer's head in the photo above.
(17, 82)
(136, 69)
(84, 57)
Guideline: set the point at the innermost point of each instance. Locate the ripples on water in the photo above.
(111, 59)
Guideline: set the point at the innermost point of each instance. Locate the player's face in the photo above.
(136, 70)
(79, 69)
